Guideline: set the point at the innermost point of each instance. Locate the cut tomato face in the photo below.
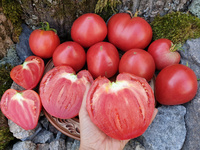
(121, 109)
(29, 73)
(23, 108)
(62, 91)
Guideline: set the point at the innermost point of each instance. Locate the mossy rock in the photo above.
(13, 11)
(5, 83)
(176, 26)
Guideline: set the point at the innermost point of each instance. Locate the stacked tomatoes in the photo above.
(122, 108)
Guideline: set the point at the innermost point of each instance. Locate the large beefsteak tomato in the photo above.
(164, 53)
(29, 73)
(102, 59)
(23, 108)
(71, 54)
(127, 32)
(62, 91)
(88, 29)
(175, 84)
(121, 109)
(138, 62)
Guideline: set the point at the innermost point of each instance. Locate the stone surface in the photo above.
(57, 145)
(191, 56)
(22, 47)
(22, 134)
(11, 57)
(6, 30)
(43, 136)
(194, 8)
(44, 146)
(26, 145)
(134, 145)
(167, 131)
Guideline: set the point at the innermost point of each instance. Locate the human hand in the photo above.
(91, 137)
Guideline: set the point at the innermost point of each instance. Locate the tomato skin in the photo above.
(163, 57)
(121, 109)
(102, 59)
(62, 91)
(88, 29)
(138, 62)
(29, 73)
(175, 84)
(127, 33)
(70, 53)
(43, 43)
(23, 108)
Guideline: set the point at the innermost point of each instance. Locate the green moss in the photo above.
(12, 9)
(176, 26)
(5, 137)
(105, 8)
(5, 80)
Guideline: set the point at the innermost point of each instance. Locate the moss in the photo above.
(12, 9)
(106, 8)
(5, 80)
(176, 26)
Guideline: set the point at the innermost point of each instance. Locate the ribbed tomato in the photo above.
(121, 109)
(62, 91)
(23, 108)
(29, 73)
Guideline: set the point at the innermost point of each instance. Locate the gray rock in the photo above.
(57, 145)
(167, 131)
(22, 134)
(191, 56)
(26, 145)
(44, 122)
(76, 145)
(22, 47)
(194, 8)
(44, 146)
(11, 57)
(43, 137)
(134, 145)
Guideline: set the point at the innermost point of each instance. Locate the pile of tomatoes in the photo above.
(84, 67)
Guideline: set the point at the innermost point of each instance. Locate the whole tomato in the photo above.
(61, 91)
(29, 73)
(43, 42)
(88, 29)
(71, 54)
(127, 32)
(175, 84)
(23, 108)
(138, 62)
(102, 59)
(164, 53)
(122, 109)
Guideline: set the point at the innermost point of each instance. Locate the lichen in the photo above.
(176, 26)
(106, 8)
(12, 9)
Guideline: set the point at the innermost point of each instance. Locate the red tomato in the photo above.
(175, 84)
(138, 62)
(43, 43)
(88, 29)
(121, 109)
(127, 33)
(164, 53)
(71, 54)
(29, 73)
(23, 108)
(102, 59)
(61, 91)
